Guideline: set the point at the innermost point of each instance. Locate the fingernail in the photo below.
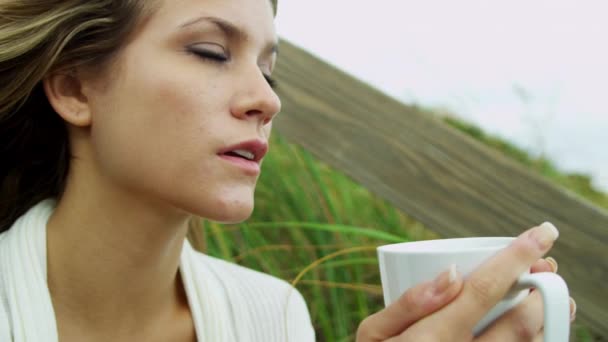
(553, 264)
(572, 309)
(545, 234)
(445, 280)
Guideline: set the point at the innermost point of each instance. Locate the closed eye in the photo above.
(210, 55)
(271, 81)
(216, 57)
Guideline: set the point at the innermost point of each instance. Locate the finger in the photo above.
(415, 304)
(540, 337)
(572, 310)
(485, 286)
(553, 263)
(543, 265)
(522, 323)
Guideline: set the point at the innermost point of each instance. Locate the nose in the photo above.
(255, 98)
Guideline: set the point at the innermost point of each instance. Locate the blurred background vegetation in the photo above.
(313, 224)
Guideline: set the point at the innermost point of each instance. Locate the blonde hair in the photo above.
(38, 37)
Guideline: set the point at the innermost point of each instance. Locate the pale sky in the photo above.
(533, 72)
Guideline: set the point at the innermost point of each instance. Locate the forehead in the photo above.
(253, 17)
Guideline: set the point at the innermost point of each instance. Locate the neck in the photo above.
(113, 258)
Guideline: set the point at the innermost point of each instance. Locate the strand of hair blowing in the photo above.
(38, 37)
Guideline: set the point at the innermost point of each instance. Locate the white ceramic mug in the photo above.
(404, 265)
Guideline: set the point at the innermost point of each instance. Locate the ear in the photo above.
(64, 92)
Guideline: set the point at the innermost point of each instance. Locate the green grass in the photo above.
(305, 211)
(315, 225)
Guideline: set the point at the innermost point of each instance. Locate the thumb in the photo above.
(415, 304)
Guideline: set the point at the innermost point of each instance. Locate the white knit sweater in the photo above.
(228, 302)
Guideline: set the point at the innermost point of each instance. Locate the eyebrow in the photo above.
(230, 30)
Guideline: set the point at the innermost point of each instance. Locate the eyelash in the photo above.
(271, 81)
(210, 56)
(218, 58)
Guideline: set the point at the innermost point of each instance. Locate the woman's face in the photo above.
(191, 84)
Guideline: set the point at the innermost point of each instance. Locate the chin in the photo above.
(232, 217)
(229, 211)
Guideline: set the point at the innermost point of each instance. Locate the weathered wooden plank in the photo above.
(449, 182)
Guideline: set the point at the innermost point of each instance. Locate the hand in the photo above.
(423, 314)
(415, 304)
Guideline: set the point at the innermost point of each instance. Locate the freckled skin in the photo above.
(159, 120)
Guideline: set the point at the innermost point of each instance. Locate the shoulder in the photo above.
(243, 278)
(4, 317)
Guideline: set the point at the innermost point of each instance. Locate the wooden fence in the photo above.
(452, 184)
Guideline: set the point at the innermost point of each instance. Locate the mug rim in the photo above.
(450, 245)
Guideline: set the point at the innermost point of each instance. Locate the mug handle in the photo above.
(556, 303)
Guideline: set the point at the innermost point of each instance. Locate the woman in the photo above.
(119, 120)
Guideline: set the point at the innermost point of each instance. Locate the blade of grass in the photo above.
(335, 228)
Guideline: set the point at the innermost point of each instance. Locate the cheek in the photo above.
(150, 132)
(158, 135)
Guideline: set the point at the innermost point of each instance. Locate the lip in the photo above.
(258, 147)
(251, 167)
